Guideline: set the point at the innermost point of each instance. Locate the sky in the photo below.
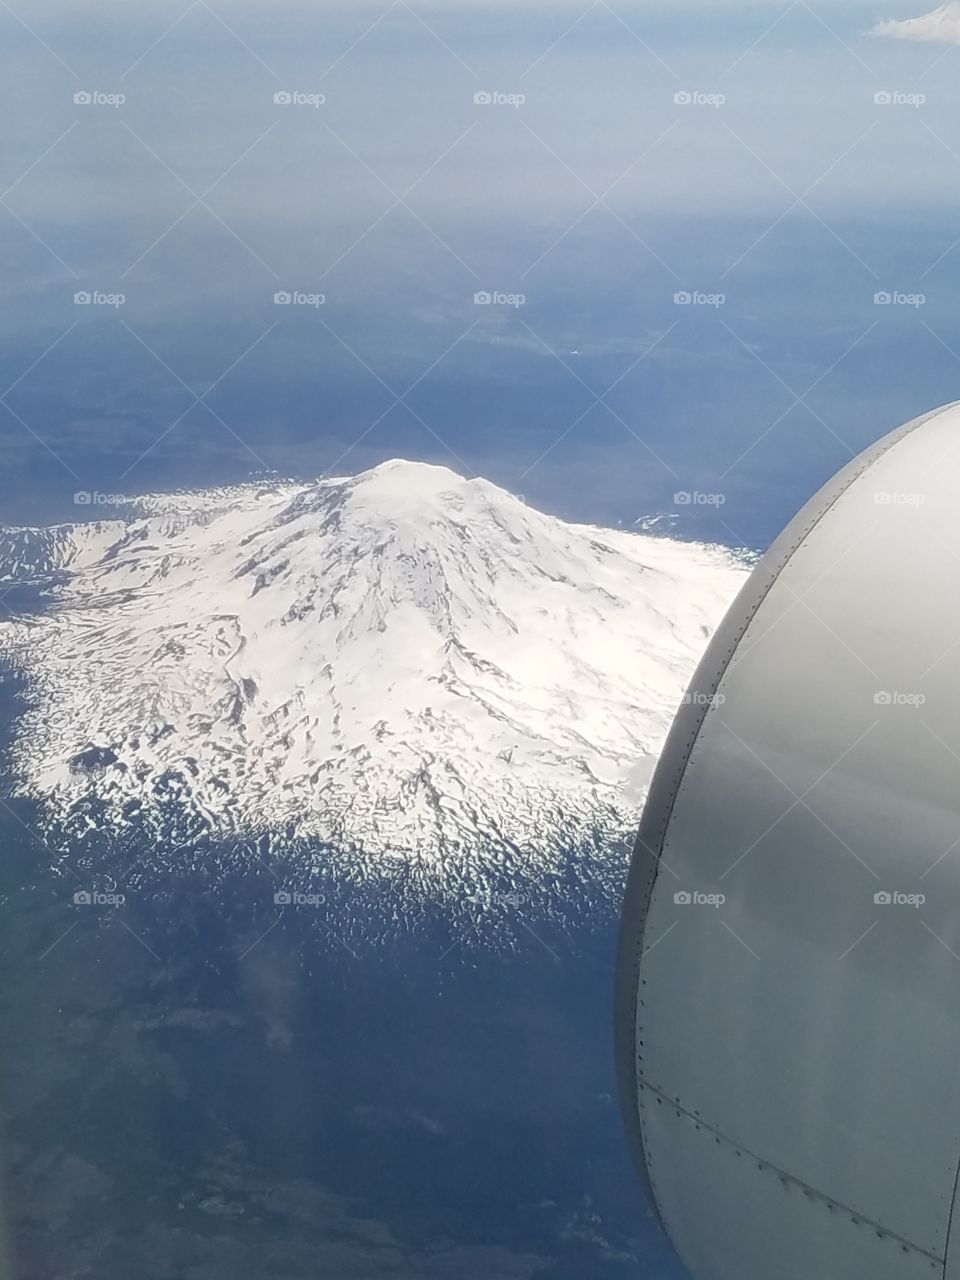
(622, 258)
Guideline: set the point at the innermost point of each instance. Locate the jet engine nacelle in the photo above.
(788, 1003)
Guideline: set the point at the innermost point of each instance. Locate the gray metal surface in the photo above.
(788, 1047)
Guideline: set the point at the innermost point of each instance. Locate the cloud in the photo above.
(941, 26)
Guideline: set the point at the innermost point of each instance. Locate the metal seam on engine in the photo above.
(810, 1192)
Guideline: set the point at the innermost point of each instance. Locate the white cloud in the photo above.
(942, 26)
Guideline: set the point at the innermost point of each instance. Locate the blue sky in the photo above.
(805, 167)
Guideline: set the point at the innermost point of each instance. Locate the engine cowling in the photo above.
(788, 991)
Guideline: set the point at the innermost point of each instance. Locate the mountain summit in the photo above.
(400, 665)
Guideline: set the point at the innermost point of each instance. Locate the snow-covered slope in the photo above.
(402, 665)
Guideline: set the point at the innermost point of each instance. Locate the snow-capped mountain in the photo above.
(404, 666)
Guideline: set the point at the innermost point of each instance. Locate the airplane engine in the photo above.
(788, 990)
